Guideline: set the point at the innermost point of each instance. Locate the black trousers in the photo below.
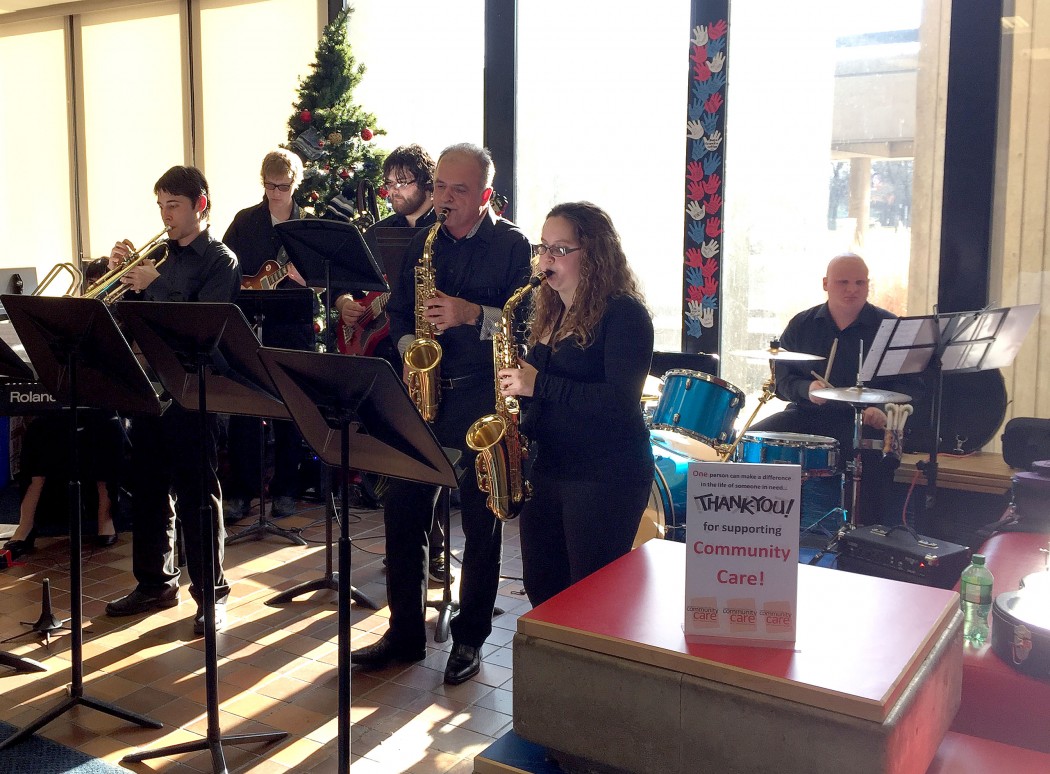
(243, 447)
(570, 529)
(408, 515)
(165, 464)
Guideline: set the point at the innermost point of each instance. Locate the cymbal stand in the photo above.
(769, 391)
(853, 473)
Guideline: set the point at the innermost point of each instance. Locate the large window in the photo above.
(35, 199)
(601, 112)
(425, 65)
(821, 142)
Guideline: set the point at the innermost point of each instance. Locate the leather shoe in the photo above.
(19, 548)
(106, 541)
(385, 651)
(136, 602)
(463, 663)
(220, 619)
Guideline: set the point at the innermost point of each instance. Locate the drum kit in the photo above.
(691, 417)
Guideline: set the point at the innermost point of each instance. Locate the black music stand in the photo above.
(962, 342)
(205, 352)
(389, 244)
(280, 307)
(355, 408)
(12, 368)
(82, 358)
(330, 253)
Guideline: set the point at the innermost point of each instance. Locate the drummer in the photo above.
(833, 330)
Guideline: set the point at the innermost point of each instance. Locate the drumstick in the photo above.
(831, 360)
(820, 378)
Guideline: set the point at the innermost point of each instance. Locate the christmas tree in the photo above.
(331, 134)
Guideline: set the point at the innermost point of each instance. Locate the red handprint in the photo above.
(710, 287)
(713, 227)
(717, 30)
(693, 293)
(713, 204)
(714, 102)
(693, 257)
(694, 170)
(701, 72)
(696, 190)
(698, 54)
(712, 184)
(709, 268)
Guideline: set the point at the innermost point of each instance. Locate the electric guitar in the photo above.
(372, 327)
(268, 277)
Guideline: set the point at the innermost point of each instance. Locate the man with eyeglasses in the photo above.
(479, 260)
(252, 237)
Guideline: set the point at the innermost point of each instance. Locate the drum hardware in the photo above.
(861, 395)
(769, 387)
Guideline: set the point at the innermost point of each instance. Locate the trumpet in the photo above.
(101, 288)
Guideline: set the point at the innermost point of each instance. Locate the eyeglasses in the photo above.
(395, 185)
(277, 186)
(556, 251)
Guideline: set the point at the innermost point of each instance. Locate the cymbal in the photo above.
(774, 354)
(860, 395)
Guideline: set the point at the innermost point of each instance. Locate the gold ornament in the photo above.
(335, 138)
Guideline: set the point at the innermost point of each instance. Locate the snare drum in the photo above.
(818, 455)
(698, 408)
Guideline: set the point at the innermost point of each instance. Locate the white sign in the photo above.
(741, 572)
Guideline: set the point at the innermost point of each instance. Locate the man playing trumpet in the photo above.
(166, 449)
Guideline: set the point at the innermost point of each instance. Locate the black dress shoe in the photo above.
(384, 652)
(136, 602)
(19, 548)
(105, 541)
(463, 663)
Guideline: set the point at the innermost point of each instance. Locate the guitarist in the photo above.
(408, 178)
(252, 237)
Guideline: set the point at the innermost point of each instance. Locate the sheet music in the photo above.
(971, 341)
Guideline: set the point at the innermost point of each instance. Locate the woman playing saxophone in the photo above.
(591, 343)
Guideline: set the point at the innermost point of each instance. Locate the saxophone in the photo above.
(495, 437)
(423, 356)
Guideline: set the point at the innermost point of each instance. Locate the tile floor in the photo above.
(277, 665)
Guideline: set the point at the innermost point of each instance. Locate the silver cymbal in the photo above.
(774, 354)
(860, 395)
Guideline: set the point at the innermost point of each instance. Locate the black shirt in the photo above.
(203, 270)
(484, 268)
(584, 419)
(814, 331)
(252, 237)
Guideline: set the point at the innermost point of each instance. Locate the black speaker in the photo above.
(973, 406)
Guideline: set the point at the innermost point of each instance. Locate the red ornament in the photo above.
(305, 116)
(343, 173)
(366, 134)
(314, 196)
(383, 193)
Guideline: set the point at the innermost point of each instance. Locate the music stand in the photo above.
(355, 407)
(963, 342)
(205, 357)
(281, 307)
(389, 244)
(330, 253)
(82, 358)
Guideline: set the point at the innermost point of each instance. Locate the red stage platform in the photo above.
(872, 684)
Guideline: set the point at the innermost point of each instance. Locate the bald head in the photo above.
(846, 283)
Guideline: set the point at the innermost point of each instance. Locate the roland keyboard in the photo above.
(17, 398)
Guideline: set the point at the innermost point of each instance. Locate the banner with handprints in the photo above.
(704, 176)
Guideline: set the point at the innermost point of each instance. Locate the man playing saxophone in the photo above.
(479, 260)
